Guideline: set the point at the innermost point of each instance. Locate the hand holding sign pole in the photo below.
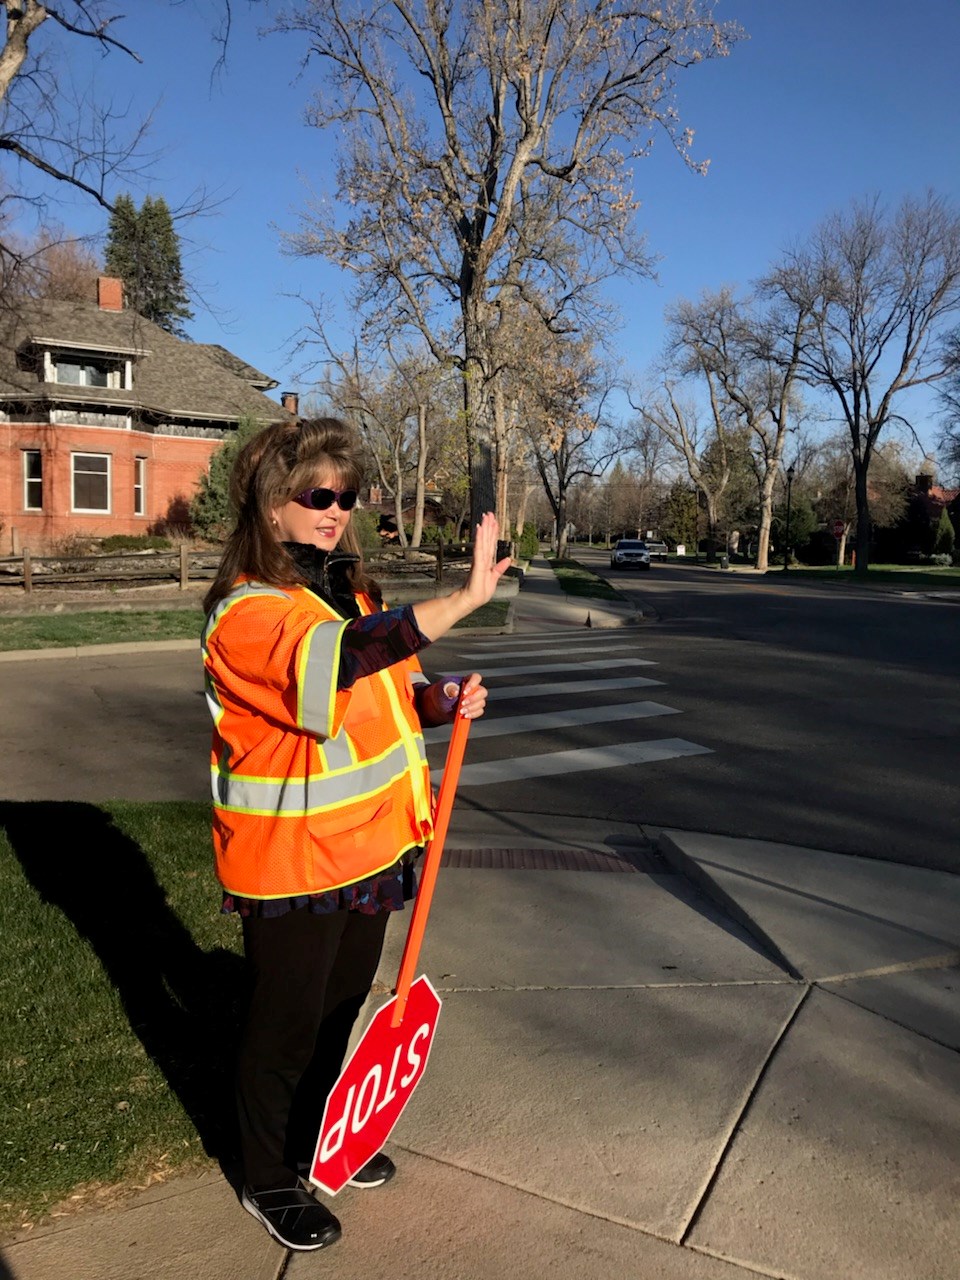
(379, 1079)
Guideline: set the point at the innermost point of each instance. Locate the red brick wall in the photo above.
(173, 467)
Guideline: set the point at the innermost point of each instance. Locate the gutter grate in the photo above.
(639, 859)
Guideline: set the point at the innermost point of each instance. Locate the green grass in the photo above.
(119, 993)
(72, 630)
(68, 630)
(577, 580)
(492, 614)
(881, 575)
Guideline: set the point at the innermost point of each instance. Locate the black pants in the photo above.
(309, 976)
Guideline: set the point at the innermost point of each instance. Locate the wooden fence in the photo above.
(183, 566)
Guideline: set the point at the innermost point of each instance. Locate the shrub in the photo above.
(74, 544)
(941, 559)
(134, 542)
(210, 511)
(528, 544)
(364, 524)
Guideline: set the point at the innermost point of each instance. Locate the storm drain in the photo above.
(644, 860)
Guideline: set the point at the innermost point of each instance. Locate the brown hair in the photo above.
(272, 466)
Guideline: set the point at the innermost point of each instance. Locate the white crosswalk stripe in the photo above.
(601, 664)
(496, 727)
(577, 761)
(572, 686)
(611, 682)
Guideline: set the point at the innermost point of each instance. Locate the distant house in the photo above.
(107, 421)
(926, 500)
(385, 509)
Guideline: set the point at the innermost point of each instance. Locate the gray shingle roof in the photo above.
(240, 367)
(172, 379)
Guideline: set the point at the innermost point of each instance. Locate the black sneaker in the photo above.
(378, 1170)
(293, 1217)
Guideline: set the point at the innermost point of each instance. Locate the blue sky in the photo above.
(828, 101)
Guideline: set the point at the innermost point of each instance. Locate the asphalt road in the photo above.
(742, 706)
(833, 714)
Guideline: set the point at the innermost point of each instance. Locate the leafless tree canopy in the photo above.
(873, 293)
(486, 153)
(52, 134)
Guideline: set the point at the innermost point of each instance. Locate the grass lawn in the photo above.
(916, 577)
(68, 630)
(72, 630)
(577, 580)
(119, 995)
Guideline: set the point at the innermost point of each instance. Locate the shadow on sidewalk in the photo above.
(182, 1003)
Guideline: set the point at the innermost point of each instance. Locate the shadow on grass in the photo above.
(181, 1002)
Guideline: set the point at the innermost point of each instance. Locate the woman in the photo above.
(320, 785)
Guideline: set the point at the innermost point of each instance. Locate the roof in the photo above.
(237, 366)
(172, 378)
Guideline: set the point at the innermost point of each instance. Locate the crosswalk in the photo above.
(587, 695)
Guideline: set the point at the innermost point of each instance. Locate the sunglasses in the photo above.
(321, 499)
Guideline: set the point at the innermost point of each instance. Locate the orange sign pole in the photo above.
(431, 863)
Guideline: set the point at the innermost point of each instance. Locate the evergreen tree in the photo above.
(143, 250)
(210, 511)
(944, 538)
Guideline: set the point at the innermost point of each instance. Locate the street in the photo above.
(811, 715)
(746, 706)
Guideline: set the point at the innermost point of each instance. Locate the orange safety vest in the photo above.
(313, 787)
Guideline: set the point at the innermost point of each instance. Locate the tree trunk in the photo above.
(398, 499)
(766, 519)
(416, 536)
(713, 520)
(501, 460)
(863, 517)
(480, 453)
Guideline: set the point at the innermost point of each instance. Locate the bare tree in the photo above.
(872, 293)
(829, 474)
(749, 362)
(950, 405)
(53, 136)
(485, 157)
(562, 413)
(706, 450)
(53, 265)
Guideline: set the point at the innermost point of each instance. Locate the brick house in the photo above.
(107, 421)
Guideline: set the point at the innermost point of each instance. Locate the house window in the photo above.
(139, 486)
(91, 481)
(79, 372)
(32, 480)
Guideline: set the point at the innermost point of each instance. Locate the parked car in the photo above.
(658, 550)
(630, 551)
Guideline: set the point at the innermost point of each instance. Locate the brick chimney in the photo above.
(290, 400)
(110, 293)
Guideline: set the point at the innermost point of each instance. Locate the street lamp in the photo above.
(786, 543)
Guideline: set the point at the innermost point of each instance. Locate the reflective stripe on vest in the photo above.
(295, 796)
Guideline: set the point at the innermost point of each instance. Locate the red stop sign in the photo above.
(374, 1087)
(837, 529)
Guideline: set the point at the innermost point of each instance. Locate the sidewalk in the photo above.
(662, 1055)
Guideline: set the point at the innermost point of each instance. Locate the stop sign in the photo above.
(837, 529)
(374, 1087)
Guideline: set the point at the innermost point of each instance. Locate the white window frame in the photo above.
(29, 481)
(139, 486)
(117, 370)
(99, 511)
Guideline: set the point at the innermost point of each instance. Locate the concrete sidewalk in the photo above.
(662, 1055)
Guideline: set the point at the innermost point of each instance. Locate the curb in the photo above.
(692, 871)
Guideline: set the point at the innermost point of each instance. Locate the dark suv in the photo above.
(630, 551)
